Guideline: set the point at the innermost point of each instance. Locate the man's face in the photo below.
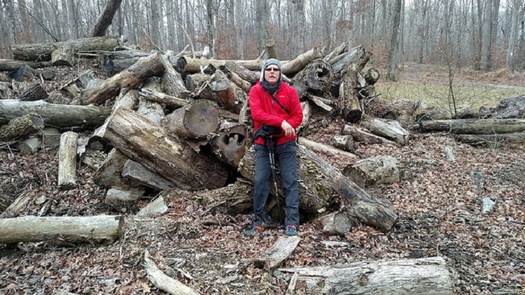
(271, 74)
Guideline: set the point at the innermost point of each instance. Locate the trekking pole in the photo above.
(272, 165)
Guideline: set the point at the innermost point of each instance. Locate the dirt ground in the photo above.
(439, 203)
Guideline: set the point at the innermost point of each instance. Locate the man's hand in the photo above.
(288, 129)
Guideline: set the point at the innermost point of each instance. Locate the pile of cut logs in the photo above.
(177, 122)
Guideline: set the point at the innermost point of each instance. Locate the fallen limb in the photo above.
(163, 281)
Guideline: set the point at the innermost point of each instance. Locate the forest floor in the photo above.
(439, 203)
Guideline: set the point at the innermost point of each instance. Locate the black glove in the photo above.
(265, 131)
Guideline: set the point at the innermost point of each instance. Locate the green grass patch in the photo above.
(440, 95)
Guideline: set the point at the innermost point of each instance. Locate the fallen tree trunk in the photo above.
(54, 115)
(196, 120)
(60, 229)
(14, 65)
(319, 181)
(130, 78)
(492, 140)
(42, 52)
(406, 276)
(473, 126)
(374, 170)
(147, 143)
(389, 129)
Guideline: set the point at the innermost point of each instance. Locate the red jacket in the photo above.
(265, 111)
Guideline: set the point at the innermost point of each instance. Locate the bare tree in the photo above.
(106, 18)
(394, 43)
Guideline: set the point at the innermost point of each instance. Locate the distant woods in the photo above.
(479, 34)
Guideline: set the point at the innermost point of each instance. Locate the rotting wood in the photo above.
(278, 253)
(21, 127)
(67, 160)
(162, 281)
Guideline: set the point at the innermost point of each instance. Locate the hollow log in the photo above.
(319, 181)
(21, 127)
(317, 77)
(69, 229)
(67, 160)
(404, 276)
(54, 115)
(147, 143)
(230, 143)
(42, 52)
(130, 78)
(196, 120)
(473, 126)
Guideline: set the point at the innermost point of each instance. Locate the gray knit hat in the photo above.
(271, 61)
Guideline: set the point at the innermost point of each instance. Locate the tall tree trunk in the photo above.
(106, 18)
(394, 43)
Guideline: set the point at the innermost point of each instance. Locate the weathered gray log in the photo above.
(196, 120)
(344, 142)
(119, 197)
(64, 55)
(163, 281)
(21, 127)
(351, 107)
(69, 229)
(510, 107)
(319, 181)
(491, 140)
(405, 276)
(130, 78)
(324, 148)
(297, 64)
(375, 170)
(67, 160)
(109, 173)
(473, 126)
(335, 223)
(360, 135)
(42, 52)
(340, 49)
(231, 199)
(29, 145)
(14, 65)
(54, 115)
(172, 83)
(389, 129)
(274, 256)
(138, 174)
(346, 58)
(162, 98)
(228, 95)
(152, 110)
(147, 143)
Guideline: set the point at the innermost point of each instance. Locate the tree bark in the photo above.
(404, 276)
(149, 144)
(42, 52)
(491, 140)
(34, 92)
(14, 65)
(69, 229)
(130, 78)
(388, 129)
(106, 18)
(54, 115)
(370, 171)
(21, 127)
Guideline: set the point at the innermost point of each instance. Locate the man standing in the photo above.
(276, 113)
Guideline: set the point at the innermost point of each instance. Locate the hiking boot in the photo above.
(254, 229)
(267, 221)
(291, 230)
